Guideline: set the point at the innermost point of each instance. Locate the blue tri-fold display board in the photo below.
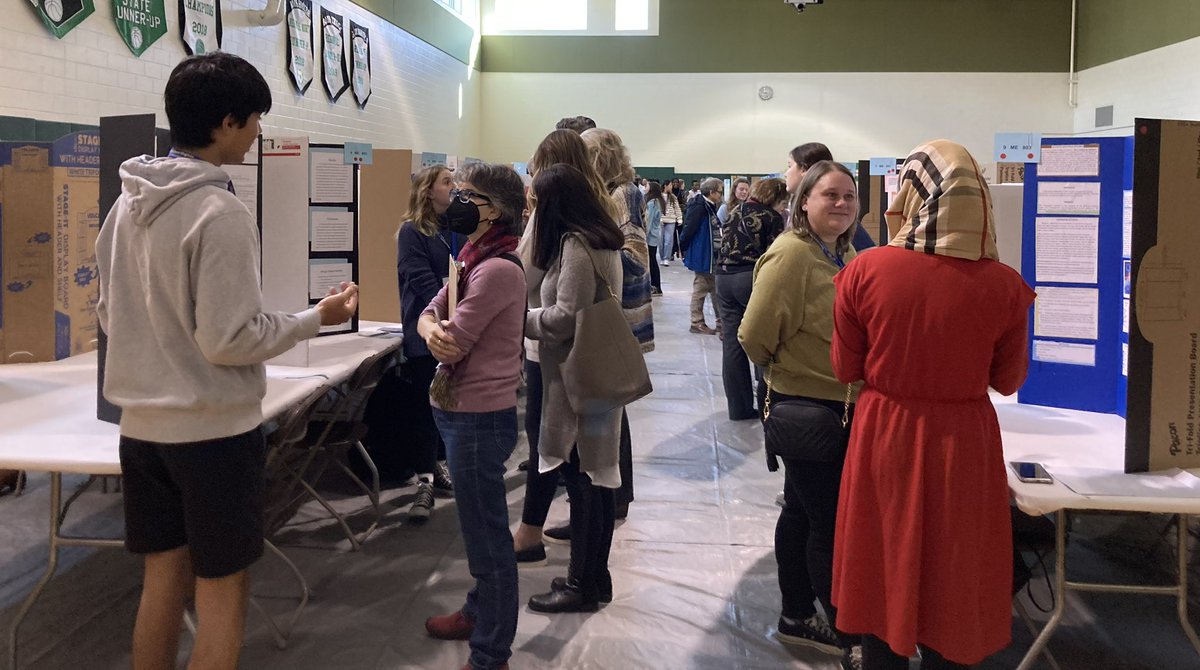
(1075, 253)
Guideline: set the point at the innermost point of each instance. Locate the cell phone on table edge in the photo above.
(1031, 473)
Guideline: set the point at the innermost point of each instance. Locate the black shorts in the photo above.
(205, 495)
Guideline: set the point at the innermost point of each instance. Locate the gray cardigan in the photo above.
(568, 287)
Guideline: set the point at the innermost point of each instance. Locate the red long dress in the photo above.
(923, 551)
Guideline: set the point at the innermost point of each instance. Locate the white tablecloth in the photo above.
(48, 410)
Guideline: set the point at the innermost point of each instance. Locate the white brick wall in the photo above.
(1159, 84)
(90, 73)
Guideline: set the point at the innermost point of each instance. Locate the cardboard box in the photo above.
(1163, 428)
(49, 194)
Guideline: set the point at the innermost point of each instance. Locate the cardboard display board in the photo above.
(332, 225)
(872, 203)
(384, 188)
(1072, 256)
(1164, 282)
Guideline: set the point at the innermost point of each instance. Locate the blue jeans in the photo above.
(477, 445)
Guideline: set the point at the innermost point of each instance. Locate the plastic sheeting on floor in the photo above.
(693, 566)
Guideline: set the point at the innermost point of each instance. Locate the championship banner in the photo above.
(60, 16)
(333, 60)
(140, 23)
(360, 53)
(200, 25)
(300, 43)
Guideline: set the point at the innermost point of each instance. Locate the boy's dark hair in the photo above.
(203, 90)
(808, 155)
(503, 186)
(576, 123)
(567, 204)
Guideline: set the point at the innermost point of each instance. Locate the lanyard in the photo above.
(837, 260)
(176, 153)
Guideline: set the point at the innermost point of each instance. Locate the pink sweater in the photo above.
(488, 324)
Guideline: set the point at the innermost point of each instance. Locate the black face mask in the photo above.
(461, 217)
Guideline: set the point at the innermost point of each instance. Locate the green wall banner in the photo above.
(333, 55)
(360, 54)
(200, 25)
(300, 43)
(140, 22)
(60, 16)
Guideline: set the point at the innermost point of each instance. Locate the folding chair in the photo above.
(339, 427)
(1033, 534)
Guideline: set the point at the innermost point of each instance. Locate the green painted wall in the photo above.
(838, 36)
(1113, 29)
(427, 21)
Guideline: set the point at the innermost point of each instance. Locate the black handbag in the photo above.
(801, 430)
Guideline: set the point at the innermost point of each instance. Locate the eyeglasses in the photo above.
(465, 196)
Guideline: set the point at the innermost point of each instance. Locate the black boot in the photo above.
(569, 599)
(604, 592)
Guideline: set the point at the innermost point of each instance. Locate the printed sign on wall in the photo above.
(60, 16)
(140, 23)
(360, 53)
(200, 25)
(333, 55)
(300, 43)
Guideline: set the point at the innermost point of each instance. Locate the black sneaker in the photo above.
(812, 632)
(422, 503)
(532, 557)
(559, 535)
(443, 486)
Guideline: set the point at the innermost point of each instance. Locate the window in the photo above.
(633, 15)
(538, 16)
(570, 17)
(454, 5)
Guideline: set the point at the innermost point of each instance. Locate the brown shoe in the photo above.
(450, 626)
(701, 329)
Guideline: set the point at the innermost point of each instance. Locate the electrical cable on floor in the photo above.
(1041, 559)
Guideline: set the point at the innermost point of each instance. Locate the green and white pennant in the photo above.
(140, 22)
(200, 25)
(60, 16)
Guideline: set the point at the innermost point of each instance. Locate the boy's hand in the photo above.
(339, 305)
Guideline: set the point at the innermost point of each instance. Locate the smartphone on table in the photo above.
(1031, 473)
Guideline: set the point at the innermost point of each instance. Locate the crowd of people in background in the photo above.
(872, 367)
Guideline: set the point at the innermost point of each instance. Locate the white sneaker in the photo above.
(666, 263)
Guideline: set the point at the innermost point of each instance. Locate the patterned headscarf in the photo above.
(944, 206)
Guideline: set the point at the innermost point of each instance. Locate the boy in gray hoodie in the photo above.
(181, 304)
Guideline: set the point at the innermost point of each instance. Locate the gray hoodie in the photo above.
(180, 300)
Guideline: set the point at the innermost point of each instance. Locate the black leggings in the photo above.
(877, 655)
(804, 537)
(540, 487)
(655, 277)
(593, 515)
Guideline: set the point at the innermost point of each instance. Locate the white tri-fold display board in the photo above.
(309, 222)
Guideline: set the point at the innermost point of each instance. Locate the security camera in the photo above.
(799, 4)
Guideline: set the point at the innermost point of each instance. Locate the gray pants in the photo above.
(703, 285)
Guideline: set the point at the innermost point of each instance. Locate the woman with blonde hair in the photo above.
(423, 252)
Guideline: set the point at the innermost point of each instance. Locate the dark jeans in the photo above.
(540, 487)
(592, 520)
(655, 277)
(477, 445)
(804, 537)
(733, 294)
(877, 655)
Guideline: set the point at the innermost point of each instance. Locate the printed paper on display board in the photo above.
(1068, 353)
(333, 55)
(1068, 197)
(1067, 249)
(1066, 312)
(300, 43)
(200, 25)
(360, 54)
(331, 179)
(1070, 160)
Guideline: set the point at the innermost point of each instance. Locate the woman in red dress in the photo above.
(923, 551)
